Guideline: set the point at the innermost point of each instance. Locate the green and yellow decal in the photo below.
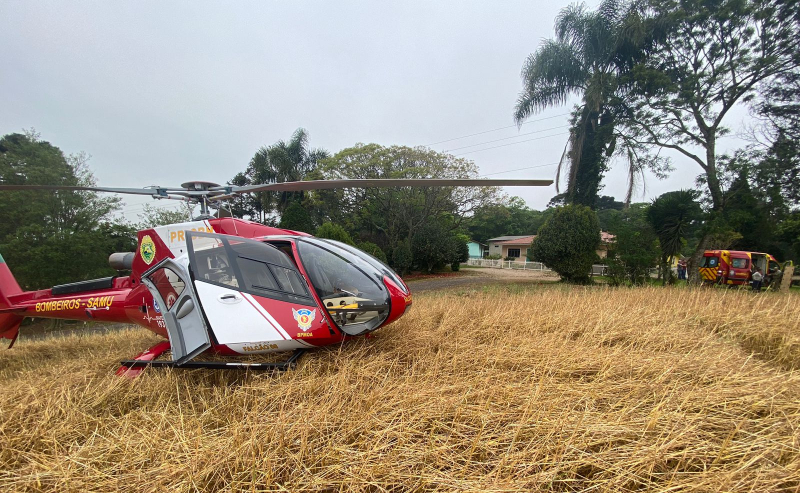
(147, 249)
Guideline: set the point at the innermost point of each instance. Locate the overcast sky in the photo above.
(163, 93)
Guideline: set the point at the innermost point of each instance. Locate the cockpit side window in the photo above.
(212, 264)
(250, 266)
(289, 280)
(286, 248)
(256, 274)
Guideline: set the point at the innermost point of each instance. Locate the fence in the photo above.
(597, 270)
(507, 264)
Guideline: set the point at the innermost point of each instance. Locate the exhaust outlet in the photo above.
(121, 260)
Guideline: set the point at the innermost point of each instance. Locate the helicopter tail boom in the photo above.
(9, 318)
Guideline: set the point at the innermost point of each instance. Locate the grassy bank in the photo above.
(555, 388)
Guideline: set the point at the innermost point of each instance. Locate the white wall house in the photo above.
(515, 247)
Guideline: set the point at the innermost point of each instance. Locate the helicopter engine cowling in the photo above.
(121, 260)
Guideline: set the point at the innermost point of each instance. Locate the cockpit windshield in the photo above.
(384, 269)
(348, 282)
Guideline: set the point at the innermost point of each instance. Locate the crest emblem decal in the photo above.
(304, 317)
(147, 250)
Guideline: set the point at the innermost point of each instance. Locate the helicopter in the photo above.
(227, 285)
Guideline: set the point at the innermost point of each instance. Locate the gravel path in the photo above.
(481, 277)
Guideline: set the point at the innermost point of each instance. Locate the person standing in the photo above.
(758, 278)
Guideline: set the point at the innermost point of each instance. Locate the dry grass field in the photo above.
(549, 388)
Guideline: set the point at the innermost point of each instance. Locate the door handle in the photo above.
(229, 298)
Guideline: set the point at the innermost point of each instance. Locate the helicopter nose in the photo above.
(401, 301)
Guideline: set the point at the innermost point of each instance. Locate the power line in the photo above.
(513, 143)
(141, 207)
(521, 169)
(496, 129)
(512, 137)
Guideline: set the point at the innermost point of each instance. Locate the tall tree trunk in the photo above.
(589, 158)
(714, 188)
(693, 264)
(711, 176)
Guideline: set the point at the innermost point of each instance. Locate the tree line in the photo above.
(653, 75)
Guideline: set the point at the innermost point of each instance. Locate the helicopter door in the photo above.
(245, 287)
(171, 287)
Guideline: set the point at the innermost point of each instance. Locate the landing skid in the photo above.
(215, 365)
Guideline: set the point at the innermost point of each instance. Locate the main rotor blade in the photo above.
(296, 186)
(133, 191)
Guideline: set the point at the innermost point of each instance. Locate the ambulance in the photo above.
(734, 267)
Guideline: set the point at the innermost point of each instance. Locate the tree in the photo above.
(635, 249)
(247, 205)
(402, 257)
(704, 57)
(374, 250)
(490, 221)
(334, 232)
(388, 216)
(779, 108)
(432, 246)
(153, 216)
(746, 215)
(609, 212)
(458, 251)
(606, 202)
(672, 216)
(567, 243)
(789, 231)
(591, 53)
(754, 203)
(59, 236)
(511, 217)
(296, 218)
(277, 163)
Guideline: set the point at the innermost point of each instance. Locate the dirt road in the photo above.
(475, 278)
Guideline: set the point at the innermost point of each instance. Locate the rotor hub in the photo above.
(199, 186)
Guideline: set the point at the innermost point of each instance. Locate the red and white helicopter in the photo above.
(228, 285)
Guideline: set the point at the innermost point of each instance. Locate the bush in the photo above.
(567, 243)
(296, 218)
(459, 252)
(435, 246)
(494, 256)
(431, 246)
(334, 232)
(402, 257)
(635, 249)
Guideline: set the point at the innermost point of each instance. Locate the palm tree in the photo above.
(281, 162)
(672, 216)
(591, 51)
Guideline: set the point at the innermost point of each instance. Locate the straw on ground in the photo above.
(544, 389)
